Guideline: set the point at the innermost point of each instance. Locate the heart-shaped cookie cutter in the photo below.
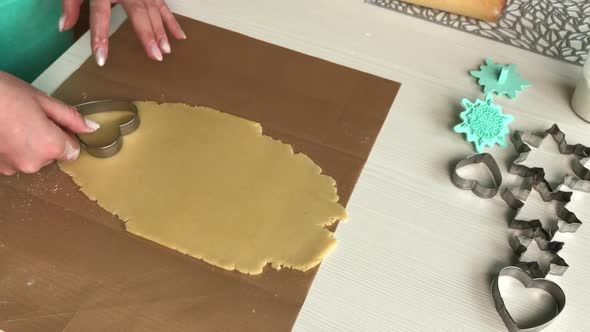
(102, 106)
(529, 282)
(474, 185)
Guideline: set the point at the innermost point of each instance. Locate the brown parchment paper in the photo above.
(68, 265)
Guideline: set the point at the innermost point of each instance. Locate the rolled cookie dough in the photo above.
(210, 185)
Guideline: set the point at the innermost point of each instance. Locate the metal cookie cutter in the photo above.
(580, 169)
(474, 185)
(577, 183)
(520, 244)
(523, 141)
(529, 282)
(582, 179)
(126, 128)
(567, 221)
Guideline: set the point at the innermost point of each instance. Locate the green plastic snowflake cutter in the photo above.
(484, 123)
(501, 79)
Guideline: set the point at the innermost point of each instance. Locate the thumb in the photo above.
(67, 116)
(71, 12)
(71, 149)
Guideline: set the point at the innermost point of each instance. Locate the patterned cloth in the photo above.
(555, 28)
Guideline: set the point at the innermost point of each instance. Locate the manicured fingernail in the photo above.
(100, 56)
(182, 34)
(62, 22)
(91, 124)
(156, 53)
(70, 152)
(165, 46)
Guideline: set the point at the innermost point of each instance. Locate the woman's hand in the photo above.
(31, 122)
(147, 16)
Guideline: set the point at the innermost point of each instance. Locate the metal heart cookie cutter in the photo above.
(126, 128)
(479, 189)
(521, 275)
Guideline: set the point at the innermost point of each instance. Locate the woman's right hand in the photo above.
(35, 128)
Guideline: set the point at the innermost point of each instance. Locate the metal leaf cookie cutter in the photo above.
(521, 275)
(474, 185)
(126, 128)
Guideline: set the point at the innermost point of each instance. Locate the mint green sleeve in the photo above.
(29, 37)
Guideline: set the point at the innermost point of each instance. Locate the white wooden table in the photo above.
(417, 254)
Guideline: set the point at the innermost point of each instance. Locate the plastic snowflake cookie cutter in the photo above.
(484, 123)
(567, 221)
(524, 140)
(501, 79)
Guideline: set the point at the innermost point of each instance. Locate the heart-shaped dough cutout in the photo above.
(550, 290)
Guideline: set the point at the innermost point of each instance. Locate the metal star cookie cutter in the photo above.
(474, 185)
(524, 140)
(576, 183)
(528, 281)
(567, 221)
(126, 128)
(532, 268)
(521, 243)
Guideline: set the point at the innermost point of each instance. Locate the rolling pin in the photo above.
(486, 10)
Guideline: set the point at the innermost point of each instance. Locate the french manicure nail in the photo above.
(182, 34)
(91, 124)
(165, 46)
(156, 53)
(62, 22)
(70, 152)
(100, 56)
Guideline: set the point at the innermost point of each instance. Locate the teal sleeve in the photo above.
(29, 37)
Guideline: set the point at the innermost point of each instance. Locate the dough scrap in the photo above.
(209, 184)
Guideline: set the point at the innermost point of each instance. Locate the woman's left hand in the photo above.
(147, 16)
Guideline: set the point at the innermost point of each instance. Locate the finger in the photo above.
(158, 28)
(6, 169)
(100, 18)
(71, 12)
(139, 16)
(58, 145)
(71, 150)
(171, 22)
(66, 116)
